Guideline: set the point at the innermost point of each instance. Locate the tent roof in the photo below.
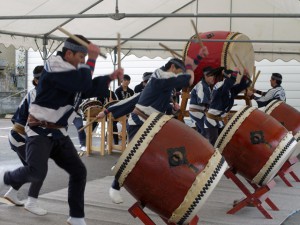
(271, 25)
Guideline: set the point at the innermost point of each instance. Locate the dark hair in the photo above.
(64, 50)
(178, 63)
(126, 77)
(208, 71)
(38, 69)
(277, 77)
(36, 74)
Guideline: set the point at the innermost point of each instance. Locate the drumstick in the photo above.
(88, 124)
(119, 50)
(119, 54)
(254, 72)
(255, 79)
(197, 34)
(170, 50)
(77, 39)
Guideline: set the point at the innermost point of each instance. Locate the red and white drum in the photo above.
(220, 51)
(95, 107)
(172, 176)
(255, 145)
(288, 116)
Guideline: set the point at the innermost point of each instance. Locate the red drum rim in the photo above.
(282, 152)
(269, 109)
(203, 185)
(272, 105)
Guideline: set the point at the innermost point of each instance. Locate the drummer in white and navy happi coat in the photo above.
(17, 141)
(276, 92)
(223, 95)
(156, 98)
(50, 114)
(157, 93)
(200, 98)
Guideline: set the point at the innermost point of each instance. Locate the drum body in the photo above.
(220, 51)
(255, 145)
(288, 116)
(171, 176)
(94, 106)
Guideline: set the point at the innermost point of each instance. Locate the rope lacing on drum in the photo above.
(202, 192)
(275, 161)
(137, 145)
(231, 125)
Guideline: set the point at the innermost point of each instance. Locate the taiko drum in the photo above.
(255, 145)
(288, 116)
(170, 168)
(224, 49)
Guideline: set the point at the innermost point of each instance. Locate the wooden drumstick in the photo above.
(88, 124)
(170, 50)
(254, 72)
(197, 34)
(77, 39)
(255, 79)
(119, 54)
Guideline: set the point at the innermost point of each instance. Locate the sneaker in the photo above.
(76, 221)
(33, 207)
(11, 196)
(115, 196)
(83, 148)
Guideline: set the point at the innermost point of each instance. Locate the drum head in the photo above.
(110, 103)
(220, 51)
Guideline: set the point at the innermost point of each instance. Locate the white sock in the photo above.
(31, 200)
(12, 196)
(32, 206)
(12, 191)
(76, 221)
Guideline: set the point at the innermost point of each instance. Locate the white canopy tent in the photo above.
(271, 25)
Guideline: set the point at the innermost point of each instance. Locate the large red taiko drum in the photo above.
(221, 45)
(288, 116)
(170, 168)
(255, 145)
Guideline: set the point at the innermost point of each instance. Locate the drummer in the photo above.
(51, 113)
(201, 97)
(223, 95)
(156, 97)
(276, 92)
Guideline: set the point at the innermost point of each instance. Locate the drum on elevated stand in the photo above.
(171, 176)
(288, 116)
(95, 107)
(220, 53)
(255, 145)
